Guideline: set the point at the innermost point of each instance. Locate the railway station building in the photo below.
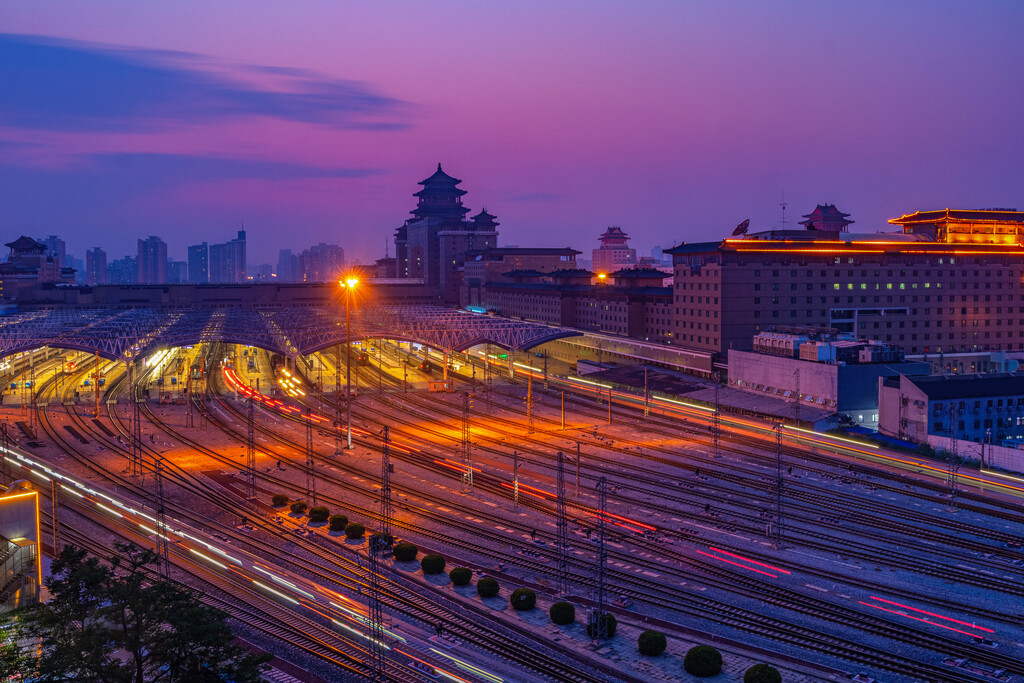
(950, 281)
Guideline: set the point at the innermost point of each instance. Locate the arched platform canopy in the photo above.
(122, 334)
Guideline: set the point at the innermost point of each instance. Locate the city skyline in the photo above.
(676, 122)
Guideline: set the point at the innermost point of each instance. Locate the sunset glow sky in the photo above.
(313, 121)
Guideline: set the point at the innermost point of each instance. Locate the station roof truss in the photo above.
(123, 334)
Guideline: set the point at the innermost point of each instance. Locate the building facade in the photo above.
(629, 303)
(433, 243)
(21, 566)
(151, 261)
(199, 263)
(490, 265)
(95, 266)
(980, 408)
(925, 289)
(29, 264)
(614, 252)
(227, 261)
(322, 263)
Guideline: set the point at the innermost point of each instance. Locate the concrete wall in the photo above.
(1010, 459)
(819, 380)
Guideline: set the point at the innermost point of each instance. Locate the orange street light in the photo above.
(348, 284)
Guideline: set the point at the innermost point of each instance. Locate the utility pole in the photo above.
(578, 459)
(716, 424)
(386, 469)
(375, 615)
(55, 516)
(562, 526)
(545, 369)
(96, 381)
(529, 404)
(250, 452)
(310, 464)
(190, 420)
(337, 400)
(32, 388)
(777, 526)
(515, 474)
(647, 395)
(598, 619)
(563, 410)
(953, 470)
(467, 448)
(134, 424)
(161, 529)
(796, 413)
(609, 405)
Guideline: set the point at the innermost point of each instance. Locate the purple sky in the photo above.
(314, 121)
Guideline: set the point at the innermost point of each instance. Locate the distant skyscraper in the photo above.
(227, 261)
(55, 247)
(199, 263)
(614, 252)
(122, 271)
(177, 271)
(95, 267)
(287, 266)
(152, 261)
(321, 262)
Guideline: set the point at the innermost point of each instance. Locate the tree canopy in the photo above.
(120, 623)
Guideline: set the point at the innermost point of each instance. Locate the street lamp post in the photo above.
(349, 284)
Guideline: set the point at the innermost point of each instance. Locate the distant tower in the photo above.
(614, 252)
(827, 218)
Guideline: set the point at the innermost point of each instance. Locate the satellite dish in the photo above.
(741, 229)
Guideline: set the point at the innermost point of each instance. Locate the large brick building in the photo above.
(951, 281)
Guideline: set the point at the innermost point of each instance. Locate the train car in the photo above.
(426, 367)
(364, 358)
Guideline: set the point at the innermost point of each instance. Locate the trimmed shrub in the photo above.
(432, 563)
(337, 522)
(487, 587)
(279, 499)
(562, 613)
(355, 531)
(523, 599)
(299, 506)
(320, 513)
(652, 643)
(610, 624)
(405, 551)
(762, 673)
(460, 576)
(703, 661)
(381, 541)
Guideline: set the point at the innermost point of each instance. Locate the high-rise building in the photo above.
(199, 263)
(123, 271)
(152, 261)
(227, 261)
(322, 262)
(614, 252)
(95, 266)
(56, 248)
(287, 266)
(432, 245)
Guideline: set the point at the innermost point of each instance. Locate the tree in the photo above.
(652, 643)
(762, 673)
(337, 522)
(432, 563)
(487, 587)
(523, 599)
(460, 576)
(118, 623)
(299, 506)
(405, 551)
(319, 514)
(703, 661)
(279, 499)
(355, 530)
(562, 613)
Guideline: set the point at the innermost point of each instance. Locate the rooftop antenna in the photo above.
(783, 204)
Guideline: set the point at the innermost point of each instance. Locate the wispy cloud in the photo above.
(62, 85)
